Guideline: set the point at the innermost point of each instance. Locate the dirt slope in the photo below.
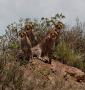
(38, 75)
(55, 69)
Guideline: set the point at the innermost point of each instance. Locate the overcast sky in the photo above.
(12, 10)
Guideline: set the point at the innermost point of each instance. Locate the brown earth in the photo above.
(39, 71)
(69, 73)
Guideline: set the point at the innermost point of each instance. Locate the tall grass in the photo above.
(68, 56)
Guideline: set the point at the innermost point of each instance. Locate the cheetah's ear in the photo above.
(56, 33)
(49, 36)
(56, 25)
(25, 33)
(32, 25)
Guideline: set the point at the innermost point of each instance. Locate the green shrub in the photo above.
(12, 77)
(47, 73)
(67, 55)
(40, 71)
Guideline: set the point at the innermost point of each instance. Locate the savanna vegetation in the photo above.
(70, 50)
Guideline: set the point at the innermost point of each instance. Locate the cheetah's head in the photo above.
(58, 26)
(28, 27)
(53, 34)
(22, 34)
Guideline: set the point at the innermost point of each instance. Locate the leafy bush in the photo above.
(68, 56)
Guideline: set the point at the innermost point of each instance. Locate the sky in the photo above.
(12, 10)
